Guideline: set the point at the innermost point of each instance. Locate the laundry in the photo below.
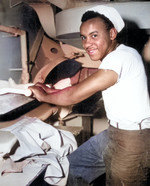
(11, 87)
(40, 145)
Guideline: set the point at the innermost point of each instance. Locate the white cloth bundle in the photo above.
(41, 144)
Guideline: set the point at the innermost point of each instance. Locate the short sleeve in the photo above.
(113, 62)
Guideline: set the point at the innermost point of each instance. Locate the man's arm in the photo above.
(98, 81)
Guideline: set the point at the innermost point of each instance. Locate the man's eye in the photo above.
(94, 35)
(83, 38)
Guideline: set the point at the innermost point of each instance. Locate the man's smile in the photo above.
(91, 51)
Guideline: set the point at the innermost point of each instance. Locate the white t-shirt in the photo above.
(127, 102)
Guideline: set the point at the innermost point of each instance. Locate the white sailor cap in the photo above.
(111, 13)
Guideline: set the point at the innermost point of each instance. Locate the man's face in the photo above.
(96, 40)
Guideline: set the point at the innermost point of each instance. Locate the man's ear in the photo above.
(113, 33)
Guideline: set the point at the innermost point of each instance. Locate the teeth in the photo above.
(91, 51)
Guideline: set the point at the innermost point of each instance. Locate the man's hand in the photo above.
(40, 91)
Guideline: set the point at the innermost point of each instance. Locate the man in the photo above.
(123, 150)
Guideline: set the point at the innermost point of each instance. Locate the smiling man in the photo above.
(122, 150)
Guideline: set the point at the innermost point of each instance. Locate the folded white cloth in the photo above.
(44, 145)
(11, 87)
(12, 96)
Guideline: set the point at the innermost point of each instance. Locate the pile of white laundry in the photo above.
(30, 146)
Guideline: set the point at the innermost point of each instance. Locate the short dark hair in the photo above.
(91, 14)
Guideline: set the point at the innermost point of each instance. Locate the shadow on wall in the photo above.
(132, 36)
(135, 37)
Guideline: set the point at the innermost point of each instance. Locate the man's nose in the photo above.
(87, 43)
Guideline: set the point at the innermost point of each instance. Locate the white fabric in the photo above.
(63, 83)
(127, 102)
(22, 177)
(44, 145)
(111, 13)
(140, 126)
(11, 87)
(7, 141)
